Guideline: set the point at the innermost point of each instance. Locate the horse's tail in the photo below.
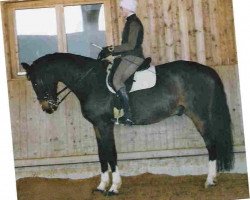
(221, 128)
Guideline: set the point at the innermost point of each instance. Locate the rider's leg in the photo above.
(117, 79)
(126, 118)
(127, 67)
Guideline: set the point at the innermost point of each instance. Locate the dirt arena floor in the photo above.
(142, 187)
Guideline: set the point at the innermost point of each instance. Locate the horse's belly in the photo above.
(151, 115)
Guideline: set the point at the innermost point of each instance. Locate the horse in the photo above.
(182, 87)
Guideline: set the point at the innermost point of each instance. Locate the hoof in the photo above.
(210, 184)
(98, 190)
(110, 193)
(215, 181)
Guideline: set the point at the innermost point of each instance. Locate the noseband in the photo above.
(45, 95)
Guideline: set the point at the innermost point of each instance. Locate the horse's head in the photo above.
(44, 86)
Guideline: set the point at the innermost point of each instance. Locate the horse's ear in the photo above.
(27, 69)
(26, 66)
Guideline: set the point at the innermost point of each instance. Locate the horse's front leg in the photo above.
(107, 155)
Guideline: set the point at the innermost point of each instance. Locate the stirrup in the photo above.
(125, 121)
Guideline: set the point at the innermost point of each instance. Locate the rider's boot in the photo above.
(126, 118)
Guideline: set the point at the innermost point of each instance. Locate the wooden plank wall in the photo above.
(65, 133)
(199, 30)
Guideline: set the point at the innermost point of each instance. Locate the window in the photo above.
(37, 29)
(36, 33)
(84, 25)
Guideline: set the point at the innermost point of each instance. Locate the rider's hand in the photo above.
(108, 48)
(106, 51)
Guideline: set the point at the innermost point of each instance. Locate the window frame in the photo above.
(11, 42)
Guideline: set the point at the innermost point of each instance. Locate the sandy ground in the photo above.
(142, 187)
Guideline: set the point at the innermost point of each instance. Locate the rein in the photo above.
(65, 88)
(81, 78)
(64, 97)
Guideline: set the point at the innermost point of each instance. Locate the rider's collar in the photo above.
(131, 16)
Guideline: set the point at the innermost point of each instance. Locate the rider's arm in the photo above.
(132, 40)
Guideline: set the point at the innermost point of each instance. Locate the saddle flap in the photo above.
(142, 80)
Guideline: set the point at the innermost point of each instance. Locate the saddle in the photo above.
(143, 78)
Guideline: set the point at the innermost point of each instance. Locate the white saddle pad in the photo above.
(142, 80)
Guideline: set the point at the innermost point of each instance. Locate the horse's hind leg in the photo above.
(203, 126)
(212, 169)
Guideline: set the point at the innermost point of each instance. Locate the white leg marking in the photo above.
(211, 177)
(104, 181)
(117, 181)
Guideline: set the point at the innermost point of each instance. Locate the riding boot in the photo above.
(126, 118)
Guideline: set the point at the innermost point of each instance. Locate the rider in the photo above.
(131, 53)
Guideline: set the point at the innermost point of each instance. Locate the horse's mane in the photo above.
(58, 56)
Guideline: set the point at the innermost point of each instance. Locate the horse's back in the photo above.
(186, 67)
(188, 72)
(191, 84)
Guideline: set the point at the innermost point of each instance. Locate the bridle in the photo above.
(65, 88)
(64, 97)
(44, 94)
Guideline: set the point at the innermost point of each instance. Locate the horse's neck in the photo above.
(82, 81)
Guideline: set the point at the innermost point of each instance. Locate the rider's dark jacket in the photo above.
(132, 38)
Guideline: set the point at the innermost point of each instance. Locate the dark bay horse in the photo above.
(182, 87)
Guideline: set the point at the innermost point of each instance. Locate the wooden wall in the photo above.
(65, 133)
(198, 30)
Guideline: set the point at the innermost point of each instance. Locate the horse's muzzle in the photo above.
(48, 106)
